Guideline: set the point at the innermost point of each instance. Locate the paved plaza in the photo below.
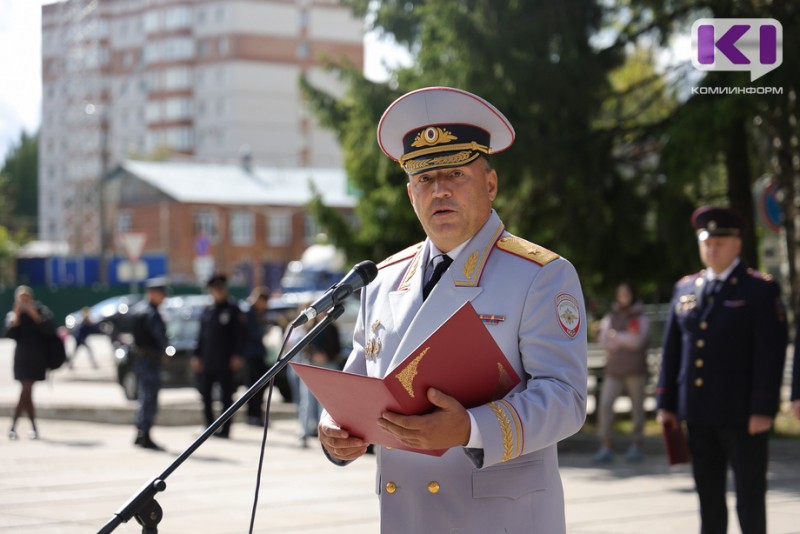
(85, 467)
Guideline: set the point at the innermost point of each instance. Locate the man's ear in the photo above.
(491, 184)
(408, 190)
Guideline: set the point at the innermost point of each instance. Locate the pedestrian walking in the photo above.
(86, 328)
(30, 324)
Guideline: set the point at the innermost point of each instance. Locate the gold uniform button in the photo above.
(700, 344)
(391, 487)
(698, 382)
(704, 326)
(433, 487)
(698, 363)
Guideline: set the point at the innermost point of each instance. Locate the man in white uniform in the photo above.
(500, 472)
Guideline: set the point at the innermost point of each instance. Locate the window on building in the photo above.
(220, 14)
(178, 108)
(242, 227)
(124, 222)
(311, 229)
(279, 229)
(223, 46)
(205, 222)
(178, 17)
(152, 22)
(303, 50)
(181, 138)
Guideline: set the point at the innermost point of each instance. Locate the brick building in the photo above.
(248, 222)
(193, 80)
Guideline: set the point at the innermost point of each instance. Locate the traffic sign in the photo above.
(133, 244)
(128, 271)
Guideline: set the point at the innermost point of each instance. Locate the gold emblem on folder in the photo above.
(407, 375)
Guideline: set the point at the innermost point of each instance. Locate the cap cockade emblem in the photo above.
(433, 136)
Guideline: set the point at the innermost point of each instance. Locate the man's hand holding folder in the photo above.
(458, 367)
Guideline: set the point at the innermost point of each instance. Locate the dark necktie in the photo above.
(710, 290)
(440, 264)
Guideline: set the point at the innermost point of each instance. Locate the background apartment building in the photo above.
(197, 80)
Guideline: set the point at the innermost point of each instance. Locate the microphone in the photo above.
(359, 276)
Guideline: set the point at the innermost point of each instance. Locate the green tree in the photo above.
(534, 61)
(731, 139)
(21, 192)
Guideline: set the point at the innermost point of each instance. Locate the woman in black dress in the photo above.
(29, 324)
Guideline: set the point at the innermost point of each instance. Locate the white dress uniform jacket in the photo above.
(531, 302)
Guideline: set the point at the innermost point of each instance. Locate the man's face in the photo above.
(156, 296)
(452, 204)
(717, 253)
(218, 292)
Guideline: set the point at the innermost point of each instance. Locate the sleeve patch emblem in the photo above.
(569, 314)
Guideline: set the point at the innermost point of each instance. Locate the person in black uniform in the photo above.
(255, 353)
(29, 323)
(721, 371)
(150, 343)
(219, 348)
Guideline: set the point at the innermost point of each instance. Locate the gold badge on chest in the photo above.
(374, 344)
(686, 303)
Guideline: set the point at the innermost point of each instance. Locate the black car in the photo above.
(109, 315)
(182, 316)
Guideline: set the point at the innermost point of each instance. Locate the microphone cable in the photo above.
(271, 383)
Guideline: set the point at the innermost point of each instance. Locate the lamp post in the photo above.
(102, 208)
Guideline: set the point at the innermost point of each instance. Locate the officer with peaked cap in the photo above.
(217, 356)
(149, 346)
(500, 471)
(721, 371)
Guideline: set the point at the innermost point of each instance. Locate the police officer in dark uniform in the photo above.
(255, 353)
(219, 349)
(150, 343)
(721, 371)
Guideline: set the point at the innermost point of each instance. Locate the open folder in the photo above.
(460, 358)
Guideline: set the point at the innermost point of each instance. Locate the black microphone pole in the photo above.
(143, 505)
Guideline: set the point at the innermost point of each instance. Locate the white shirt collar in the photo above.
(711, 275)
(433, 251)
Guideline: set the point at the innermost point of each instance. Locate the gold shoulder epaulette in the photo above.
(759, 275)
(402, 255)
(526, 249)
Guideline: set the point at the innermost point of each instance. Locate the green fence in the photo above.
(65, 300)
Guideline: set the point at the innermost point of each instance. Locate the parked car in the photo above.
(182, 317)
(110, 315)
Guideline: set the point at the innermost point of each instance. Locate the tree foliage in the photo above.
(610, 158)
(20, 191)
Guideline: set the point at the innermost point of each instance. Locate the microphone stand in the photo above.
(143, 505)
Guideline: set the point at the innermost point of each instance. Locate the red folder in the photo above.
(675, 444)
(460, 358)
